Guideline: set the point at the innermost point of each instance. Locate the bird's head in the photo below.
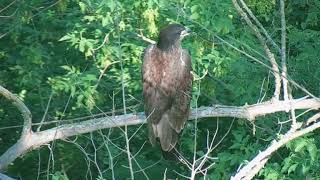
(171, 36)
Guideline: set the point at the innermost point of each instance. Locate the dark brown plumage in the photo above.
(167, 83)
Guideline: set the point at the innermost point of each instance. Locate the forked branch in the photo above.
(34, 140)
(256, 164)
(25, 112)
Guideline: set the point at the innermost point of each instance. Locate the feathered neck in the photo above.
(169, 46)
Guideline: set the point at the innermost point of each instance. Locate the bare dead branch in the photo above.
(3, 9)
(250, 112)
(255, 165)
(313, 119)
(25, 112)
(274, 44)
(270, 55)
(45, 113)
(146, 39)
(104, 70)
(3, 35)
(5, 177)
(284, 74)
(198, 164)
(283, 51)
(10, 15)
(124, 97)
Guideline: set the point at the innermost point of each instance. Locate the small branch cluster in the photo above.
(258, 162)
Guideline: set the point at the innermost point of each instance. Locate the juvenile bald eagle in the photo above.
(167, 83)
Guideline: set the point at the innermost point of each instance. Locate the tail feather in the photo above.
(163, 130)
(164, 133)
(167, 136)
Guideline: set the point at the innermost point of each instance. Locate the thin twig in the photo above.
(10, 15)
(105, 40)
(283, 52)
(7, 6)
(104, 71)
(124, 98)
(45, 113)
(146, 39)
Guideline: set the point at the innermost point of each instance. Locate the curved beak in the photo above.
(186, 32)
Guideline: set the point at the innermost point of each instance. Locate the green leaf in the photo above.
(305, 169)
(65, 37)
(82, 44)
(83, 7)
(300, 145)
(313, 151)
(89, 77)
(292, 168)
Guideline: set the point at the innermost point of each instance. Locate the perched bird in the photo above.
(167, 85)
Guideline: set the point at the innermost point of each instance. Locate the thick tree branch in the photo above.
(5, 177)
(250, 112)
(270, 55)
(255, 165)
(25, 112)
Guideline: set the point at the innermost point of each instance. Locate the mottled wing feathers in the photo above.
(179, 110)
(156, 99)
(167, 92)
